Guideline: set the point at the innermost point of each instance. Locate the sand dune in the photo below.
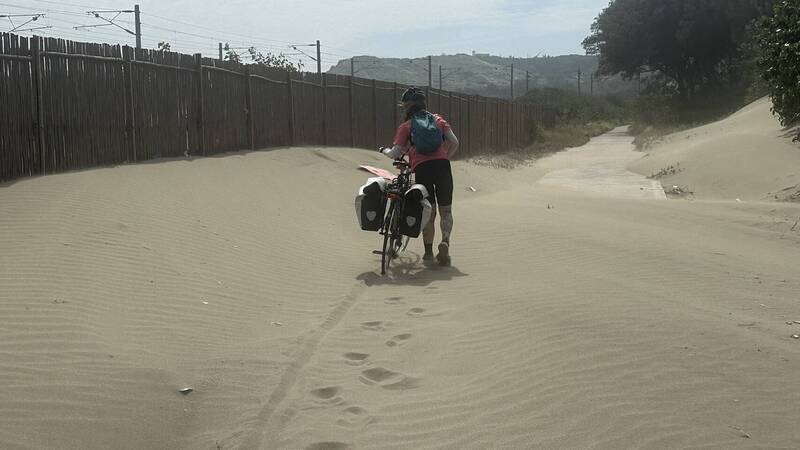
(570, 318)
(748, 156)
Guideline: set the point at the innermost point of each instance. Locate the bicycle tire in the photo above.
(396, 239)
(387, 238)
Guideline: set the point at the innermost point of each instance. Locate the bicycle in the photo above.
(395, 197)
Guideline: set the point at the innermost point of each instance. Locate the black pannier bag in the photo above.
(416, 212)
(371, 204)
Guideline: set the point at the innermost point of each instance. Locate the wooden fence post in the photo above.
(129, 97)
(450, 104)
(198, 60)
(461, 120)
(324, 110)
(291, 106)
(509, 124)
(498, 135)
(374, 115)
(469, 125)
(36, 65)
(482, 119)
(352, 116)
(251, 135)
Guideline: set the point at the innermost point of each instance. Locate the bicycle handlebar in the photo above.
(400, 162)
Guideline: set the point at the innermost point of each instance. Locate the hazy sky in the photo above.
(345, 27)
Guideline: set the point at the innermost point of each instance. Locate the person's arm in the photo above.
(401, 142)
(394, 152)
(452, 143)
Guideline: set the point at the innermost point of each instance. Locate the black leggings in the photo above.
(437, 178)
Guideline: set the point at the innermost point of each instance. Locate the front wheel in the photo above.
(392, 239)
(386, 257)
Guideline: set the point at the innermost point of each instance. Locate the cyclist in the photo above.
(431, 169)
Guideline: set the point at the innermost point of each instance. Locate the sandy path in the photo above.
(599, 167)
(569, 319)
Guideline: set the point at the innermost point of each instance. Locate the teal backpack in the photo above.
(425, 135)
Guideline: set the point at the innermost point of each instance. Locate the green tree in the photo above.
(692, 44)
(268, 59)
(274, 60)
(231, 54)
(779, 40)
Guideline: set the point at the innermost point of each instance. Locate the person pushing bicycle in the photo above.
(430, 143)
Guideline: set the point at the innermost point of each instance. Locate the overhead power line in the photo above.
(113, 19)
(19, 28)
(109, 22)
(241, 36)
(68, 4)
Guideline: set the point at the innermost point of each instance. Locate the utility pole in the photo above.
(430, 71)
(527, 81)
(138, 27)
(220, 51)
(319, 59)
(442, 77)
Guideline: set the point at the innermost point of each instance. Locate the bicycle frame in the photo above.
(395, 195)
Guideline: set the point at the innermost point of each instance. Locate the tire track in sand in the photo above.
(261, 426)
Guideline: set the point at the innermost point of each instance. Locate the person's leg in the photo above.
(446, 222)
(425, 175)
(429, 234)
(444, 193)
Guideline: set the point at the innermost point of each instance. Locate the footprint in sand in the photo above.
(416, 311)
(327, 394)
(421, 312)
(388, 379)
(328, 446)
(400, 339)
(374, 326)
(394, 300)
(354, 416)
(355, 359)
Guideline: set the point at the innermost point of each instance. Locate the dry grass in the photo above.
(549, 141)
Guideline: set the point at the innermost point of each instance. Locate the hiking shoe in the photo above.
(444, 254)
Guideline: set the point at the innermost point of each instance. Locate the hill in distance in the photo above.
(490, 75)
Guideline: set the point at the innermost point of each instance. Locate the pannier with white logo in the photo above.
(417, 211)
(371, 204)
